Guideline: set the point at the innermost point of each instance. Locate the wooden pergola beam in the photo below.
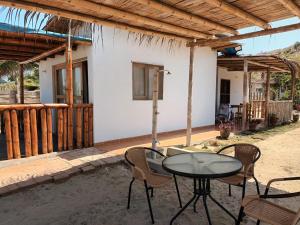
(86, 18)
(291, 6)
(22, 42)
(248, 35)
(45, 54)
(268, 66)
(239, 13)
(97, 8)
(186, 16)
(22, 49)
(16, 53)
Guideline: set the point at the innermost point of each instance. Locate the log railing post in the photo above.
(86, 127)
(15, 134)
(44, 131)
(91, 129)
(245, 100)
(21, 84)
(79, 127)
(27, 133)
(8, 135)
(34, 134)
(49, 130)
(60, 129)
(293, 89)
(267, 97)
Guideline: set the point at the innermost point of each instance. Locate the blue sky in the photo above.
(250, 46)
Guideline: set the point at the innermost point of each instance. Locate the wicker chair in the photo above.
(248, 154)
(136, 157)
(259, 208)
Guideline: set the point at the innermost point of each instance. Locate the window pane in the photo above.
(77, 83)
(139, 81)
(61, 81)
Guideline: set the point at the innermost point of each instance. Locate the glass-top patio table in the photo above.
(202, 167)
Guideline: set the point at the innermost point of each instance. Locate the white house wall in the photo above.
(236, 85)
(116, 115)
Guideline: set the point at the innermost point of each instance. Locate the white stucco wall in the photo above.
(116, 115)
(236, 85)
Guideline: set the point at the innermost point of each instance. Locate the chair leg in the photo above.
(241, 213)
(244, 188)
(258, 222)
(257, 186)
(177, 190)
(129, 193)
(152, 190)
(229, 189)
(149, 202)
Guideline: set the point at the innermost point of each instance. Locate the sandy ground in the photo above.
(100, 198)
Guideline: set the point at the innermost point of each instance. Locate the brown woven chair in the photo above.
(248, 154)
(136, 157)
(259, 208)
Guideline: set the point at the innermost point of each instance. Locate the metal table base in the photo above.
(202, 190)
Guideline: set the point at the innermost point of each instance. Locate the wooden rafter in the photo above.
(21, 49)
(45, 54)
(98, 9)
(249, 35)
(187, 16)
(23, 42)
(87, 18)
(239, 13)
(291, 6)
(9, 52)
(267, 66)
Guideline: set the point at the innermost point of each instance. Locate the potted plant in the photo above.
(225, 129)
(273, 119)
(253, 124)
(295, 117)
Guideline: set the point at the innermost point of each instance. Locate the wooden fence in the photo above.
(37, 124)
(282, 109)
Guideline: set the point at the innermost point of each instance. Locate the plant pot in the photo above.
(252, 126)
(295, 118)
(273, 121)
(225, 133)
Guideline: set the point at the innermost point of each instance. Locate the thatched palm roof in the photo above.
(184, 19)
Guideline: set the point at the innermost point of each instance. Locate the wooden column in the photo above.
(154, 110)
(267, 97)
(190, 93)
(21, 84)
(69, 79)
(293, 89)
(245, 99)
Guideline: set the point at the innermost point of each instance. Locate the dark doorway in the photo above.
(225, 92)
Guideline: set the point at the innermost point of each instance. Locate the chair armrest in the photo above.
(265, 195)
(153, 150)
(222, 149)
(246, 170)
(138, 171)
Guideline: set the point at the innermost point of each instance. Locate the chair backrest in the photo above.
(297, 218)
(247, 154)
(136, 157)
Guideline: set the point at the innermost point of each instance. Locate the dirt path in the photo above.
(100, 198)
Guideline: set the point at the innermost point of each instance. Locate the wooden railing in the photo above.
(257, 109)
(32, 129)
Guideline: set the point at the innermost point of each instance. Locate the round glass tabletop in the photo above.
(202, 165)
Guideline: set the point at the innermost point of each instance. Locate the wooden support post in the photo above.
(49, 130)
(21, 84)
(267, 97)
(245, 100)
(9, 144)
(70, 128)
(154, 110)
(293, 89)
(44, 131)
(190, 93)
(27, 133)
(60, 129)
(34, 134)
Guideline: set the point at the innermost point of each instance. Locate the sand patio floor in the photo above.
(100, 198)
